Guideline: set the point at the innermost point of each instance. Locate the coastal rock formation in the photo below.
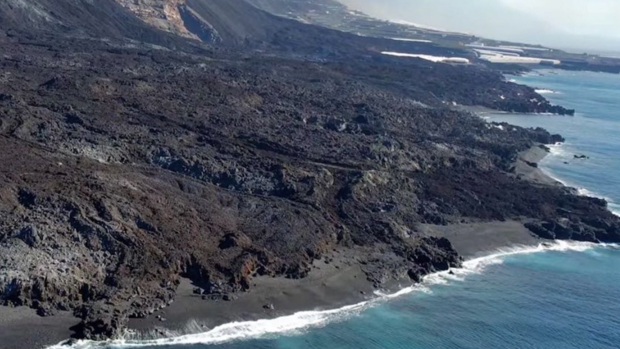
(127, 166)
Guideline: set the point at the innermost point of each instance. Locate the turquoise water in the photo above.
(549, 300)
(566, 297)
(594, 131)
(562, 298)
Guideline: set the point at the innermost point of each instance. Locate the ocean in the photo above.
(594, 131)
(562, 296)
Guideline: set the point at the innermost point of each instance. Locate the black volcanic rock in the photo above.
(126, 167)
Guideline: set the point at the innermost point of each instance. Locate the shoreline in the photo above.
(330, 285)
(612, 206)
(528, 167)
(288, 324)
(124, 178)
(545, 174)
(330, 291)
(335, 282)
(546, 177)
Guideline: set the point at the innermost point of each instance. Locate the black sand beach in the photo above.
(330, 285)
(527, 166)
(22, 328)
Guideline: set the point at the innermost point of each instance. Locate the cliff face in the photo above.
(162, 14)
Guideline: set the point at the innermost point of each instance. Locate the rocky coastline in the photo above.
(135, 166)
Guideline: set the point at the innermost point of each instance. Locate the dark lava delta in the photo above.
(132, 158)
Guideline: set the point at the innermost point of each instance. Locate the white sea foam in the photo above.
(545, 91)
(236, 330)
(559, 151)
(586, 192)
(611, 205)
(436, 59)
(299, 322)
(412, 40)
(614, 208)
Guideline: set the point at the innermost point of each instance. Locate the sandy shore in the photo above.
(22, 328)
(339, 283)
(472, 240)
(331, 284)
(527, 166)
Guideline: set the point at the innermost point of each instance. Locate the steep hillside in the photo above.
(231, 22)
(103, 18)
(187, 23)
(236, 21)
(162, 14)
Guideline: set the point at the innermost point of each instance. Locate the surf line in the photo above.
(558, 151)
(301, 321)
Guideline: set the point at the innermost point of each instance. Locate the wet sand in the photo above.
(329, 286)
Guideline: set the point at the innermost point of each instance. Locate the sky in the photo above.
(572, 24)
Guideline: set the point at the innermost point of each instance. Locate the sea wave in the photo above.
(234, 331)
(544, 91)
(611, 205)
(299, 322)
(561, 153)
(615, 208)
(558, 149)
